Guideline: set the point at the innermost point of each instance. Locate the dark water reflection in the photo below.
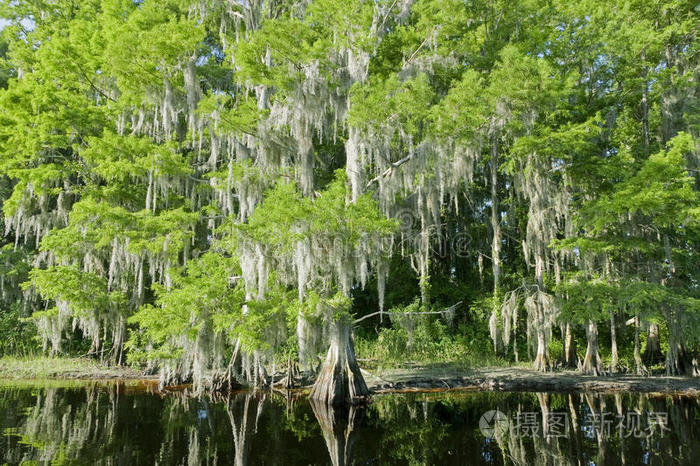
(117, 424)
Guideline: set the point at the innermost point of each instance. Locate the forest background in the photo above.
(215, 189)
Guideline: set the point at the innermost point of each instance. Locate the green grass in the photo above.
(29, 384)
(41, 367)
(430, 345)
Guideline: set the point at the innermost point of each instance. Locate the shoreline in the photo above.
(46, 368)
(418, 378)
(512, 379)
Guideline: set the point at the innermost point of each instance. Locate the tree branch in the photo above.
(444, 311)
(388, 171)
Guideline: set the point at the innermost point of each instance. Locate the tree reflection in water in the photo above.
(338, 427)
(117, 424)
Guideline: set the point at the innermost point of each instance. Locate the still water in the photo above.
(131, 424)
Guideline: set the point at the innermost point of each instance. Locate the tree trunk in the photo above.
(677, 362)
(645, 106)
(495, 219)
(260, 375)
(495, 248)
(639, 367)
(289, 383)
(495, 331)
(613, 336)
(340, 381)
(592, 363)
(570, 357)
(542, 358)
(652, 351)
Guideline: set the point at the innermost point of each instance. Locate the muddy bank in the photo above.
(521, 379)
(437, 377)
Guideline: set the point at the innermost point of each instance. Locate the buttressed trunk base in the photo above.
(340, 381)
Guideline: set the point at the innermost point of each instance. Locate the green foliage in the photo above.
(662, 191)
(152, 155)
(201, 296)
(424, 339)
(19, 334)
(85, 292)
(285, 217)
(587, 298)
(392, 102)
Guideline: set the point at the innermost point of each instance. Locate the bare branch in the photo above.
(444, 311)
